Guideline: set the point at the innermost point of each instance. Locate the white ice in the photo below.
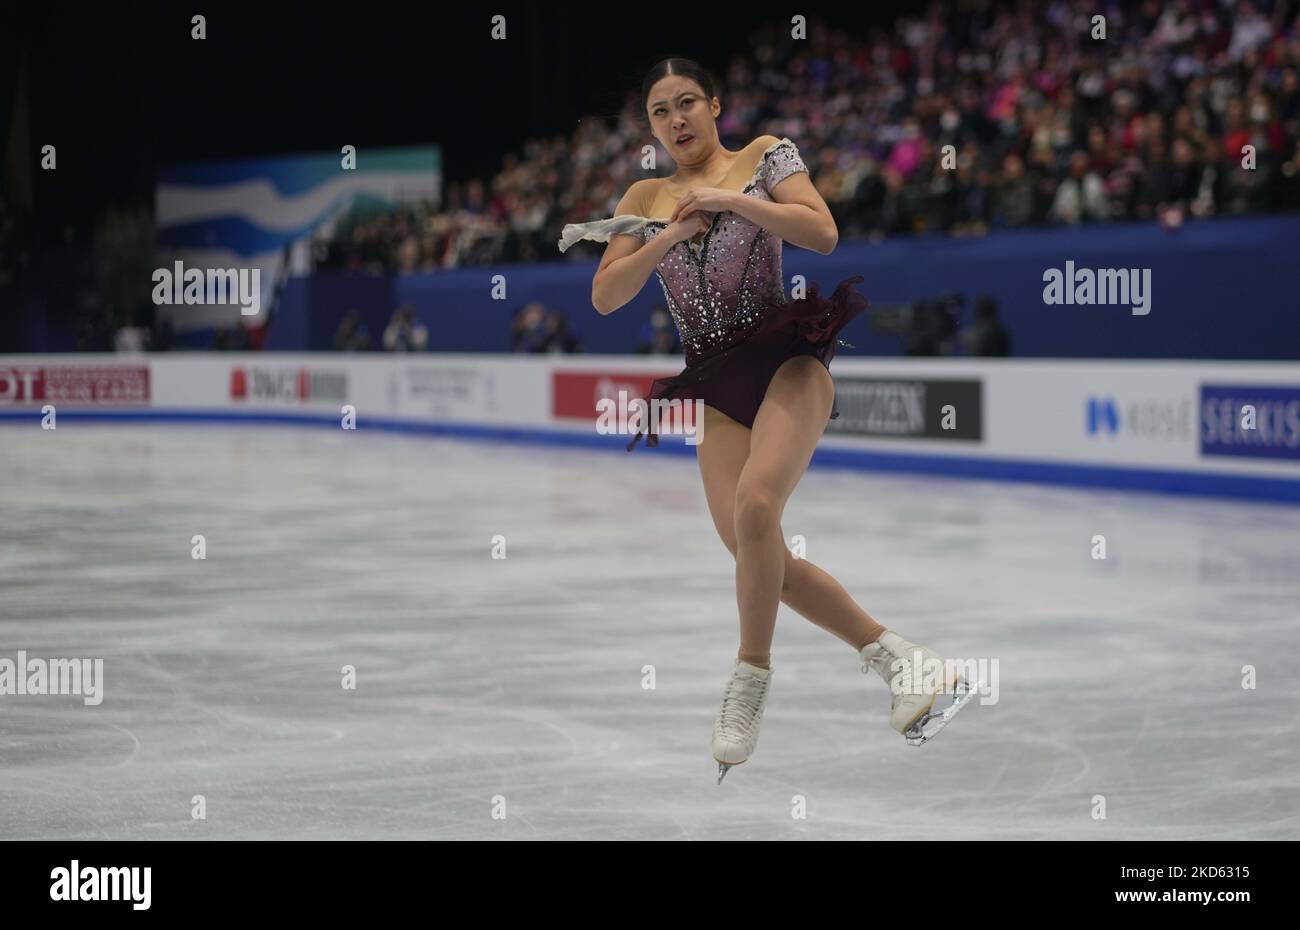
(522, 678)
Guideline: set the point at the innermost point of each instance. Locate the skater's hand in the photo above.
(708, 199)
(688, 226)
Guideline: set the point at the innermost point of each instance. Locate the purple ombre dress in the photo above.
(728, 300)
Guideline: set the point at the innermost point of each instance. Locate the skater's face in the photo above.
(682, 118)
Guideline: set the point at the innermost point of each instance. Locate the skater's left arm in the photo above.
(797, 213)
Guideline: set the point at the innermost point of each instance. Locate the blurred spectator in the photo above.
(1249, 31)
(528, 329)
(932, 326)
(1013, 198)
(131, 340)
(985, 335)
(404, 334)
(1081, 196)
(559, 338)
(352, 335)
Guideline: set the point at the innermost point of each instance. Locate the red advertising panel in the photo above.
(575, 393)
(268, 384)
(78, 385)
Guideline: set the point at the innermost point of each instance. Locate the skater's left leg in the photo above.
(789, 423)
(809, 591)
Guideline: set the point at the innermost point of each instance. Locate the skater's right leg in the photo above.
(817, 596)
(807, 590)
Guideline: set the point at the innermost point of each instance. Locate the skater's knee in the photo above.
(758, 512)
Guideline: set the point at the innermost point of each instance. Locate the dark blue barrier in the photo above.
(1225, 289)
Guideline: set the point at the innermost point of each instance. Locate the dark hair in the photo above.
(683, 67)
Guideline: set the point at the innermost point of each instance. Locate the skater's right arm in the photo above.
(628, 262)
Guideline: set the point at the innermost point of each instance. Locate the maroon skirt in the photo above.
(734, 377)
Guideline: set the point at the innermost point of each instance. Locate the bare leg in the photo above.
(814, 594)
(807, 589)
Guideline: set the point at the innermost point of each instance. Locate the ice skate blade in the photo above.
(723, 768)
(927, 726)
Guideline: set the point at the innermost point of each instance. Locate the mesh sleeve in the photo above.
(781, 161)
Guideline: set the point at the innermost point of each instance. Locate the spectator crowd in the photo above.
(1049, 124)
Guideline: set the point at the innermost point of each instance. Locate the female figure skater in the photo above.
(713, 233)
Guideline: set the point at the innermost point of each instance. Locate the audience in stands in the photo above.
(1048, 126)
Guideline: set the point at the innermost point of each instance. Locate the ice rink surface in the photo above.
(518, 682)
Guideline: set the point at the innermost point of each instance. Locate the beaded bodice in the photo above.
(719, 286)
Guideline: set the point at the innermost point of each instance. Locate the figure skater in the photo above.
(760, 364)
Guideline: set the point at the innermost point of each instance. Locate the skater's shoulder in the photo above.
(764, 146)
(751, 156)
(638, 198)
(759, 153)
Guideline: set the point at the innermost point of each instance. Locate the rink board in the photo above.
(1229, 428)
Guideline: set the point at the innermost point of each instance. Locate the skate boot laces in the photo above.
(920, 710)
(742, 704)
(890, 660)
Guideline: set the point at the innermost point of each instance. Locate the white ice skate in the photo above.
(735, 733)
(926, 692)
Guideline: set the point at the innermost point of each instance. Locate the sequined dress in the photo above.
(727, 297)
